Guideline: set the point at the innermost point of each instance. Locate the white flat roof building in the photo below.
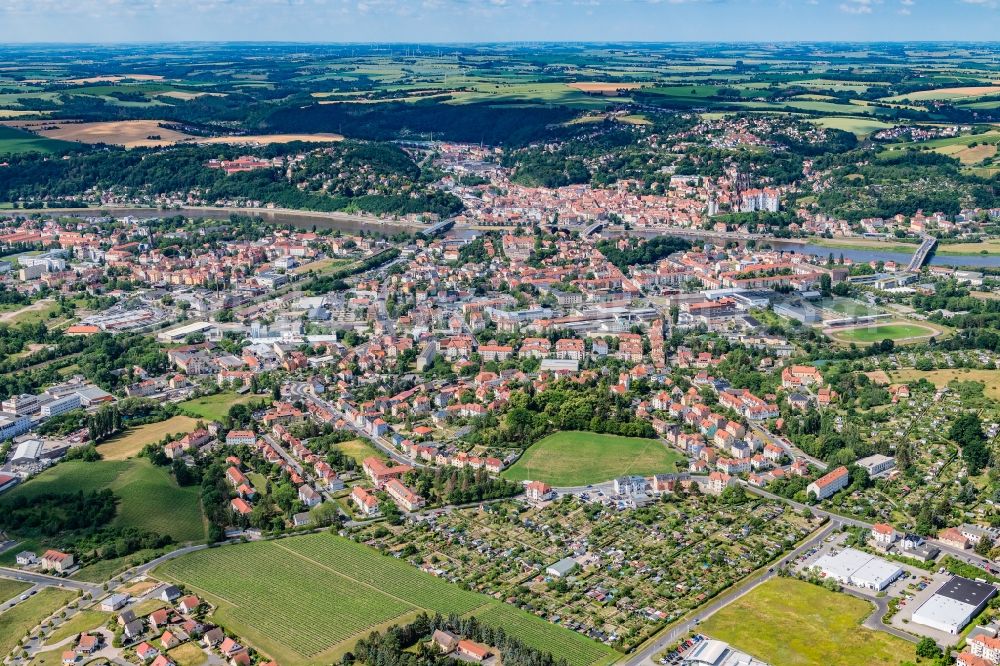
(718, 653)
(853, 567)
(954, 605)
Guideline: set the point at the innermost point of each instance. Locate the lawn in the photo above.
(215, 407)
(579, 458)
(897, 331)
(307, 599)
(788, 622)
(11, 588)
(188, 654)
(150, 498)
(20, 619)
(18, 141)
(130, 443)
(82, 621)
(358, 449)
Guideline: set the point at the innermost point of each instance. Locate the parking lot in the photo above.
(676, 656)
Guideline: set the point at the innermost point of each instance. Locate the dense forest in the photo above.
(494, 124)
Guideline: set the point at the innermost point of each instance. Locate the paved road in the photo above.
(962, 555)
(298, 390)
(644, 657)
(789, 448)
(874, 621)
(49, 581)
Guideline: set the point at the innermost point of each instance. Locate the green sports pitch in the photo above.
(895, 332)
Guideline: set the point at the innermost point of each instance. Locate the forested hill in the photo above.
(379, 178)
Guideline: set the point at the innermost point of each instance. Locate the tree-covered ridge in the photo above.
(350, 176)
(867, 183)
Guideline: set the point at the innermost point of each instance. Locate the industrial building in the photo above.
(954, 605)
(853, 567)
(718, 653)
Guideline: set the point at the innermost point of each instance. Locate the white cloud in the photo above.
(859, 6)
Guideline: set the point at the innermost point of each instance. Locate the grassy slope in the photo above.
(11, 588)
(150, 498)
(131, 443)
(788, 622)
(215, 407)
(579, 458)
(20, 619)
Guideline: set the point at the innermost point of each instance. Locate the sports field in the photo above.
(306, 600)
(150, 498)
(788, 622)
(131, 443)
(899, 332)
(847, 307)
(577, 458)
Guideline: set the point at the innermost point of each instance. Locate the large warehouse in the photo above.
(852, 567)
(954, 605)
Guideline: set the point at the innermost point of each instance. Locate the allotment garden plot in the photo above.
(640, 569)
(306, 600)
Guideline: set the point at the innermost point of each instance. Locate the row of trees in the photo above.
(393, 647)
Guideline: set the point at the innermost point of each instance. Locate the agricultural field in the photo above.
(858, 126)
(127, 133)
(130, 443)
(216, 407)
(138, 134)
(17, 141)
(578, 458)
(947, 94)
(20, 619)
(150, 498)
(788, 622)
(898, 332)
(320, 593)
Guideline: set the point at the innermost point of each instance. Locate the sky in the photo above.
(497, 20)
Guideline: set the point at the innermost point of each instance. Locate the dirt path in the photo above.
(37, 305)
